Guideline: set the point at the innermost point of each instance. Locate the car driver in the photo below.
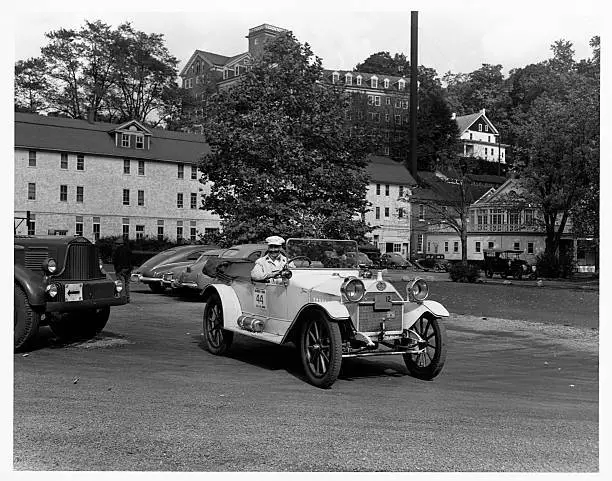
(270, 265)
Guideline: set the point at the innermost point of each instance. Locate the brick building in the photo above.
(98, 179)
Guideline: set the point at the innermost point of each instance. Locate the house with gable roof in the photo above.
(478, 137)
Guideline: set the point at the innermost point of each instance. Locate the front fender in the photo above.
(335, 311)
(229, 303)
(33, 285)
(413, 311)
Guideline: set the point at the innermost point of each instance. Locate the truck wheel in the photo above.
(320, 345)
(216, 339)
(428, 364)
(27, 319)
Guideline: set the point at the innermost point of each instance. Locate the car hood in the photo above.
(328, 282)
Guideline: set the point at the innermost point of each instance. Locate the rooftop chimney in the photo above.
(482, 111)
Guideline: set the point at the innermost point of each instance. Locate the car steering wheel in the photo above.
(300, 257)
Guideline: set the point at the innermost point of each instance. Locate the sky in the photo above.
(454, 36)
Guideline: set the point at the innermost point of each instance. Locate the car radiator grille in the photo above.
(369, 319)
(81, 263)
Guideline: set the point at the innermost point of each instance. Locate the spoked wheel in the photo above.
(216, 339)
(321, 350)
(430, 361)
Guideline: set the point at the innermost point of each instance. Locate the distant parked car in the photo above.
(151, 272)
(360, 259)
(505, 263)
(393, 260)
(192, 278)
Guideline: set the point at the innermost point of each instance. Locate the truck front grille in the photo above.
(82, 263)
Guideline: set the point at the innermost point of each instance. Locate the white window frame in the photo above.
(126, 166)
(80, 162)
(141, 198)
(64, 161)
(386, 83)
(125, 140)
(141, 167)
(374, 82)
(82, 194)
(359, 78)
(348, 79)
(139, 141)
(335, 77)
(401, 85)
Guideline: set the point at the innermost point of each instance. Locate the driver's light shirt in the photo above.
(265, 267)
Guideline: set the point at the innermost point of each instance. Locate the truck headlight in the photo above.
(118, 285)
(417, 290)
(50, 265)
(52, 290)
(353, 289)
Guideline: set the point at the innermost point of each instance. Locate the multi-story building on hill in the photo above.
(380, 104)
(206, 71)
(478, 137)
(97, 179)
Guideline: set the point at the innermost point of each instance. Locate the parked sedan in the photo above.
(151, 272)
(192, 277)
(393, 260)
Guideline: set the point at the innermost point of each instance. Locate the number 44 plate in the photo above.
(74, 292)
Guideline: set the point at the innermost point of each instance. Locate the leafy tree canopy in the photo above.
(116, 74)
(383, 63)
(282, 161)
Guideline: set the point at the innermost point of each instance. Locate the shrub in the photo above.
(550, 265)
(460, 272)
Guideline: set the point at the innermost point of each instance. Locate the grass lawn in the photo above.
(569, 307)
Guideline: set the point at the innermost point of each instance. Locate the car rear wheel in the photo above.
(320, 350)
(489, 273)
(518, 274)
(26, 319)
(216, 339)
(430, 361)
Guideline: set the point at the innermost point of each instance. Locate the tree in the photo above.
(560, 153)
(282, 161)
(30, 86)
(383, 63)
(79, 68)
(145, 72)
(118, 74)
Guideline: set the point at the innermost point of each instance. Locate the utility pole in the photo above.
(414, 69)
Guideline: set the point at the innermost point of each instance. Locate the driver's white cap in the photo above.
(275, 240)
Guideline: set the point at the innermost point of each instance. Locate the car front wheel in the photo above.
(157, 287)
(321, 350)
(216, 339)
(429, 362)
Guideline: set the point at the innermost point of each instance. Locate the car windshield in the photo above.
(326, 253)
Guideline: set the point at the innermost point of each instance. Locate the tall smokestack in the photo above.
(414, 69)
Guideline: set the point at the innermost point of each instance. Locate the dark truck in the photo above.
(60, 282)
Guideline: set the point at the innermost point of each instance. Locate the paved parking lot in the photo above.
(514, 396)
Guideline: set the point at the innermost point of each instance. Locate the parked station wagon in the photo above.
(329, 313)
(60, 282)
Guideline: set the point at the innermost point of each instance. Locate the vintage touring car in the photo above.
(60, 282)
(329, 313)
